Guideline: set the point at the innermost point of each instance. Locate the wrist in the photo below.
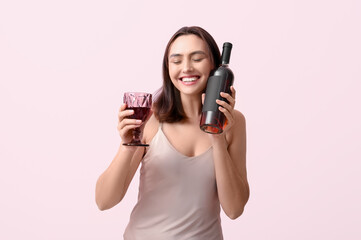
(127, 149)
(219, 139)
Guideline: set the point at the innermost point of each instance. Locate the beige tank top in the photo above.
(177, 196)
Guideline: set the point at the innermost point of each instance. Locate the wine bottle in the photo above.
(220, 80)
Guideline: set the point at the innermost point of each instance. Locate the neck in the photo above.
(192, 106)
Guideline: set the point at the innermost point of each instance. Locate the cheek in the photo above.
(206, 68)
(172, 71)
(207, 72)
(173, 75)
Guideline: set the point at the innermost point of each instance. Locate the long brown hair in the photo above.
(168, 106)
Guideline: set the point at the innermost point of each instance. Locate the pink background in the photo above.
(64, 66)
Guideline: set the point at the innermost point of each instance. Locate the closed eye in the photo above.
(198, 59)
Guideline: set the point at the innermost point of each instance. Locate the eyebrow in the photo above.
(192, 53)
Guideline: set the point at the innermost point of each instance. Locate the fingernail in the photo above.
(138, 121)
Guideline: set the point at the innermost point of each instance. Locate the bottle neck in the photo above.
(226, 53)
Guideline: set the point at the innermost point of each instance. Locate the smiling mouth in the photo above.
(189, 79)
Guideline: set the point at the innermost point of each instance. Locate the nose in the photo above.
(187, 67)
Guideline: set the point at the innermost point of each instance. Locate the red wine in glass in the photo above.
(140, 113)
(140, 103)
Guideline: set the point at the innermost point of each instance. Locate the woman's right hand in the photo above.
(126, 125)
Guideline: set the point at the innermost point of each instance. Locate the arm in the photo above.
(230, 167)
(114, 182)
(229, 151)
(112, 185)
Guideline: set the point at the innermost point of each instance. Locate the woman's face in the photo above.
(189, 64)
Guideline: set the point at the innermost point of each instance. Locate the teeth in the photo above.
(189, 79)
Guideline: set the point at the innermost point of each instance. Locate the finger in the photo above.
(227, 114)
(122, 107)
(127, 121)
(127, 128)
(224, 104)
(229, 98)
(203, 96)
(125, 113)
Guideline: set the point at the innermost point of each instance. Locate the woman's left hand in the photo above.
(228, 108)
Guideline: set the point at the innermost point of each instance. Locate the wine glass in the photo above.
(140, 103)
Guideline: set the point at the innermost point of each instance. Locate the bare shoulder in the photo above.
(150, 128)
(238, 130)
(239, 117)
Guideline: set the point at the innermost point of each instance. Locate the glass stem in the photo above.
(136, 135)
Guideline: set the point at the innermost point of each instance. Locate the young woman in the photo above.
(186, 174)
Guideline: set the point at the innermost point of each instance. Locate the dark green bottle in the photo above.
(220, 80)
